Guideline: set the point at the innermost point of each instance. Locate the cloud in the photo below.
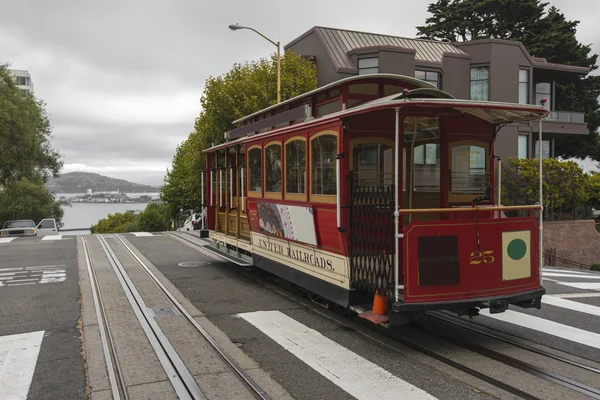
(122, 79)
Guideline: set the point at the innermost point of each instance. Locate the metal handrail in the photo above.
(466, 209)
(548, 257)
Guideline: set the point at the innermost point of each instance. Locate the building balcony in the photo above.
(563, 123)
(566, 116)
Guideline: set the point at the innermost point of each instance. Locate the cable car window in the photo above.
(374, 164)
(468, 172)
(295, 167)
(323, 154)
(254, 174)
(427, 168)
(273, 168)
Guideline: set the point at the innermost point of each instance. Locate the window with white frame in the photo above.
(368, 65)
(480, 83)
(522, 146)
(523, 86)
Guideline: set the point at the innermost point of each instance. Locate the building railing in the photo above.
(566, 116)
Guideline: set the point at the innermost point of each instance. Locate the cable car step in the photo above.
(242, 261)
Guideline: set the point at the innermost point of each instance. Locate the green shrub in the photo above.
(117, 223)
(595, 267)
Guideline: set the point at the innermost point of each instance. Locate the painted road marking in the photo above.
(6, 240)
(33, 275)
(351, 372)
(571, 305)
(573, 295)
(579, 276)
(138, 234)
(52, 237)
(566, 271)
(581, 285)
(18, 356)
(543, 325)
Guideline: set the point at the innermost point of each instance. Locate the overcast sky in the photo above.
(122, 78)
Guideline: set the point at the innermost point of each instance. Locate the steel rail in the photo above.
(115, 374)
(523, 346)
(183, 382)
(531, 369)
(388, 333)
(486, 378)
(237, 370)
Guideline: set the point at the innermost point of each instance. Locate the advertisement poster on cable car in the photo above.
(287, 221)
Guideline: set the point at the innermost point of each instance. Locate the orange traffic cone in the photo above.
(380, 304)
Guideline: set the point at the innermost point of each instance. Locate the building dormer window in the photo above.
(430, 76)
(368, 65)
(480, 83)
(523, 86)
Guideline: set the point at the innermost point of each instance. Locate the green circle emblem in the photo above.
(517, 249)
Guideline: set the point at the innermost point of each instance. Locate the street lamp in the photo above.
(236, 27)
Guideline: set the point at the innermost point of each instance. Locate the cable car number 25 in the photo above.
(478, 257)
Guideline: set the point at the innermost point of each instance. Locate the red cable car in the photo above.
(377, 193)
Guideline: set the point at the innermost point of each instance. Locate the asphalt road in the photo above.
(39, 293)
(223, 292)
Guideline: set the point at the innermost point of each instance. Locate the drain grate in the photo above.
(157, 311)
(193, 264)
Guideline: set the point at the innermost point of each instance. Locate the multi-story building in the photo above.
(23, 79)
(489, 69)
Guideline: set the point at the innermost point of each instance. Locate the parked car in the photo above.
(47, 226)
(17, 228)
(192, 223)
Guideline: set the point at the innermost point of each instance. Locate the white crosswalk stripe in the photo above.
(351, 372)
(18, 357)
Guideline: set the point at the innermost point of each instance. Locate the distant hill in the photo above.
(80, 182)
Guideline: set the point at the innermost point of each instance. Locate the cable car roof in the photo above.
(400, 78)
(492, 112)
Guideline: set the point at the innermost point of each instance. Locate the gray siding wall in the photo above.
(397, 62)
(456, 76)
(312, 46)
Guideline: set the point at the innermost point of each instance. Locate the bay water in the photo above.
(81, 216)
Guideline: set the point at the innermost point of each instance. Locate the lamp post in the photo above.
(236, 27)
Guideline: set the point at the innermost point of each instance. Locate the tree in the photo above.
(25, 135)
(564, 183)
(154, 218)
(545, 33)
(29, 199)
(27, 158)
(245, 89)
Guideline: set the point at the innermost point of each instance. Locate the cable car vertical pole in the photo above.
(242, 189)
(499, 181)
(202, 197)
(541, 198)
(397, 208)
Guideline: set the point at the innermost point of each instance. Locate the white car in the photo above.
(192, 223)
(18, 228)
(47, 226)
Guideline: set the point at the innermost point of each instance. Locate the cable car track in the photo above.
(531, 369)
(115, 373)
(507, 360)
(181, 379)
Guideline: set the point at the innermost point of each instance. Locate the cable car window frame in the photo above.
(317, 197)
(252, 193)
(268, 194)
(292, 195)
(467, 198)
